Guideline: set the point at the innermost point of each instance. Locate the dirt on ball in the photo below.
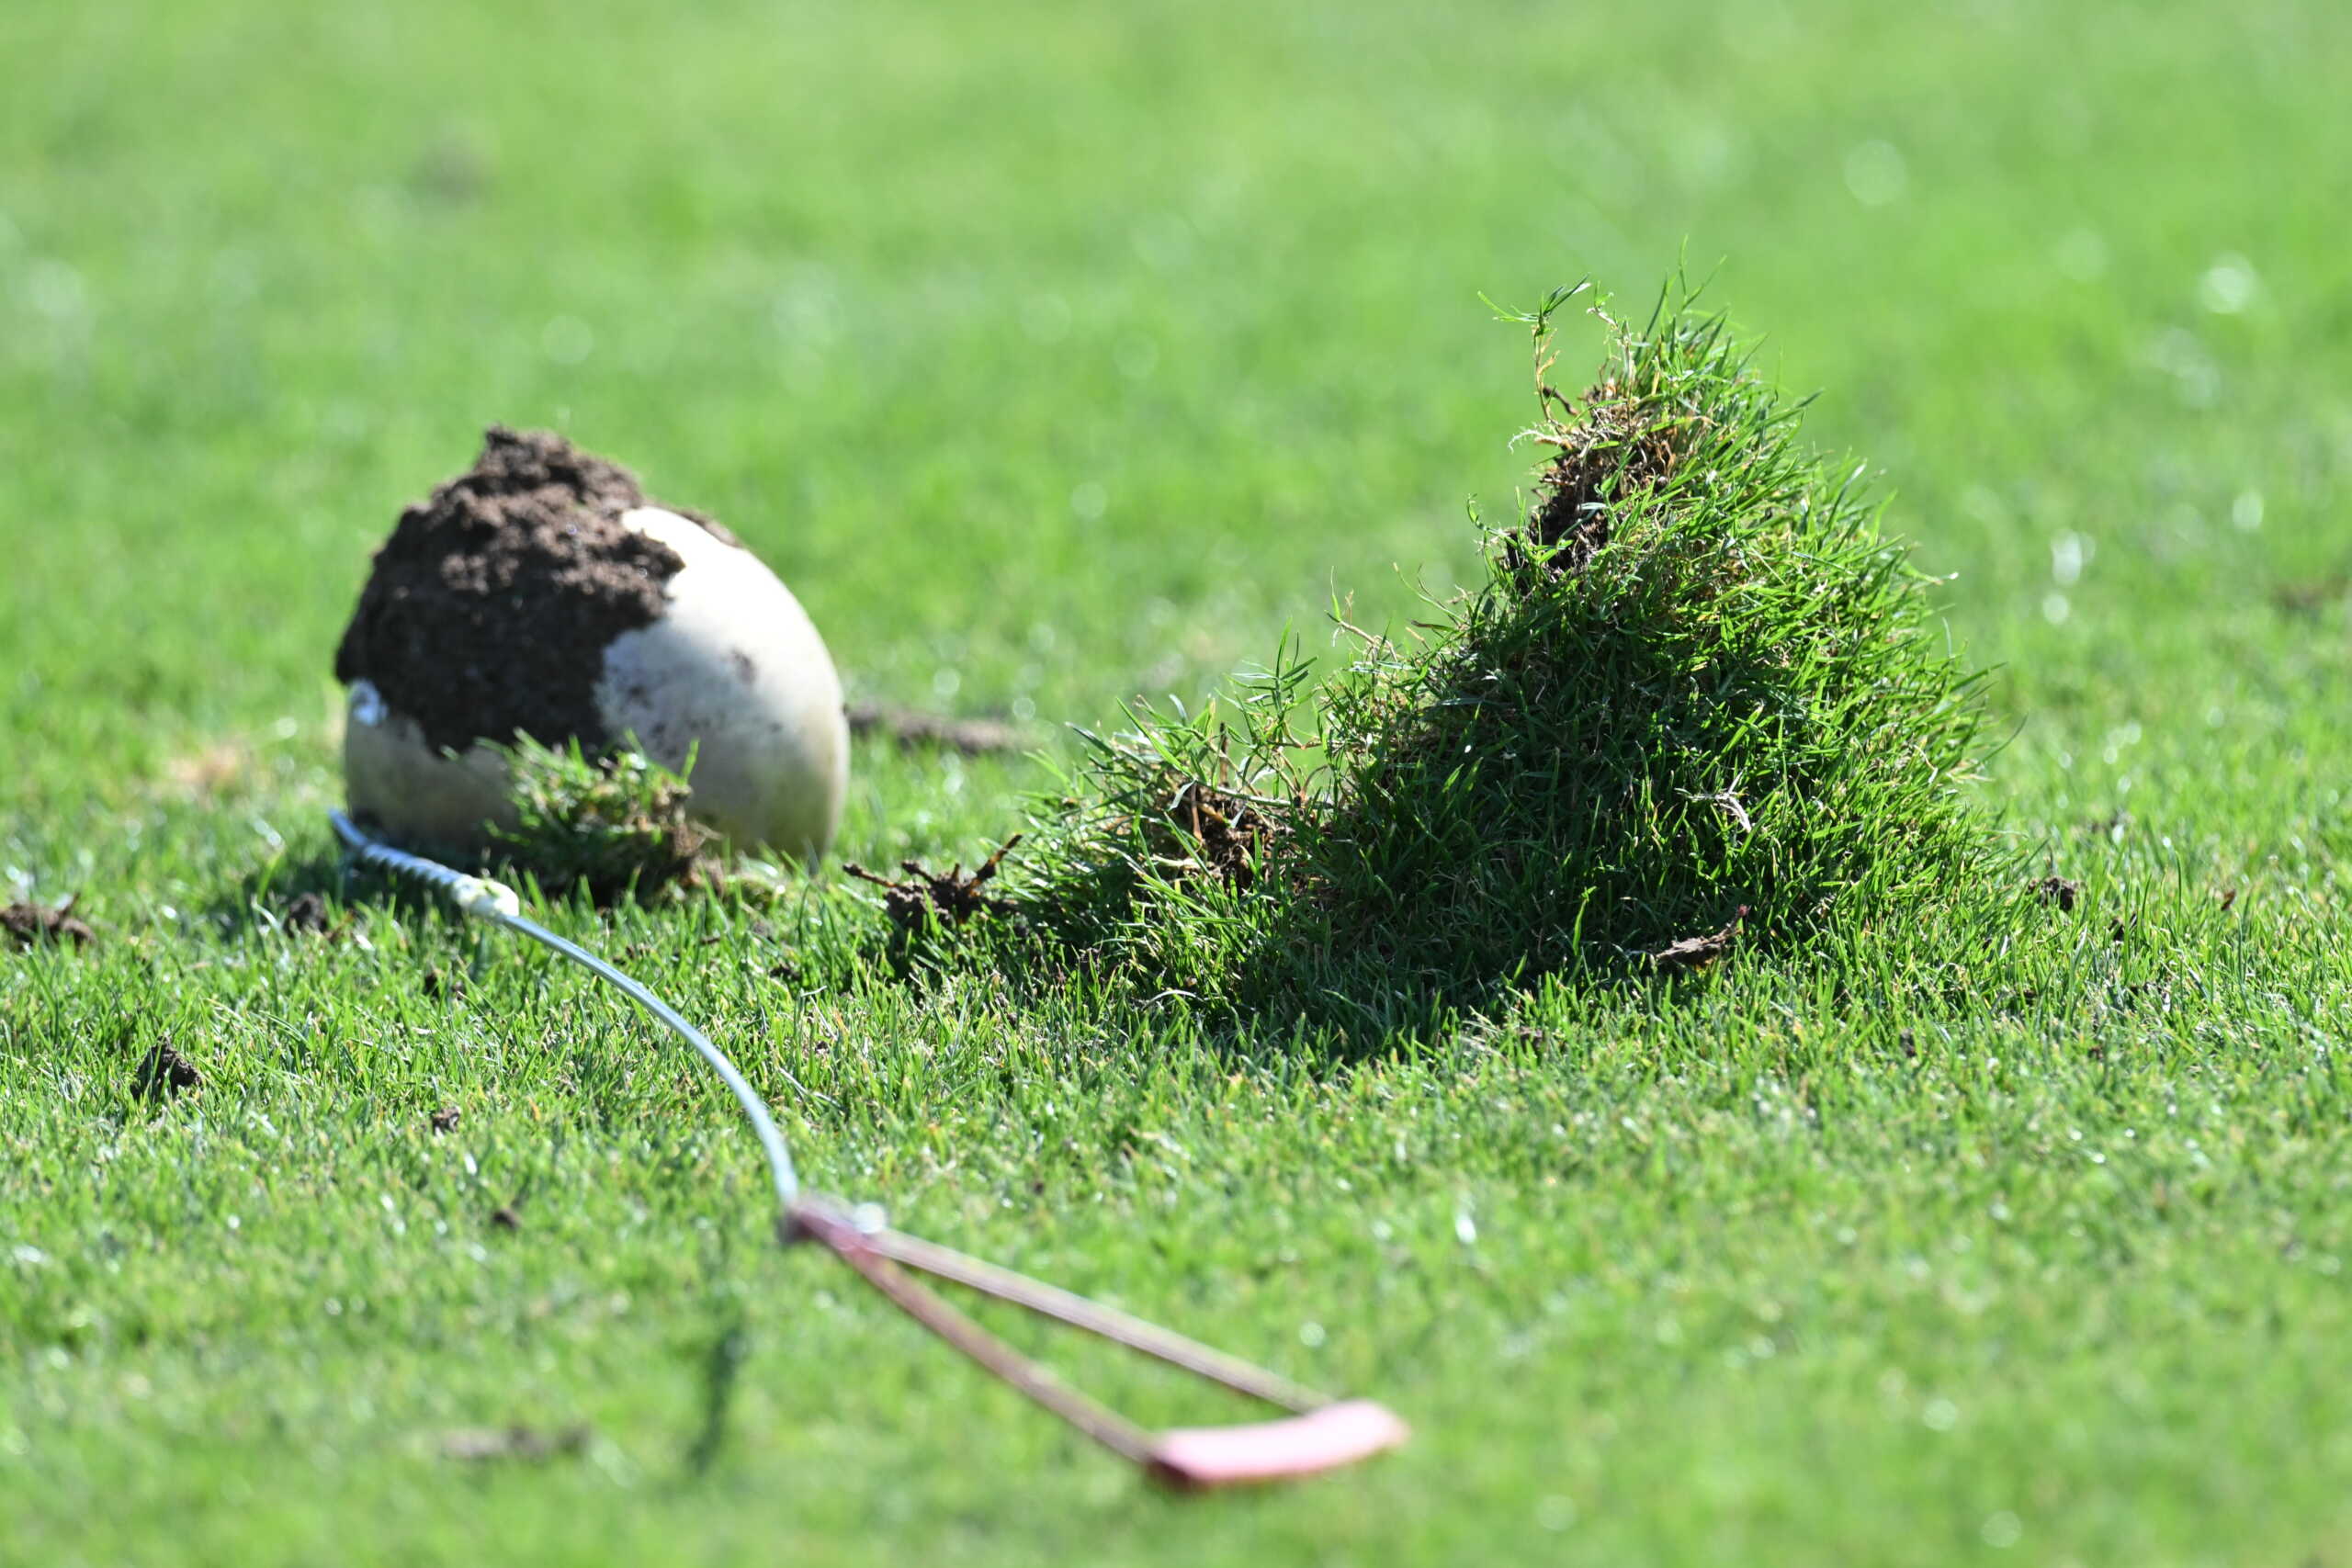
(489, 609)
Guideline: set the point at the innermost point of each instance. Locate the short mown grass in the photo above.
(1061, 359)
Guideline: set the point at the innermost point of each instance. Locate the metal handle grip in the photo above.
(1195, 1459)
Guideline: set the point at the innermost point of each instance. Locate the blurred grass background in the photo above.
(1056, 354)
(1059, 354)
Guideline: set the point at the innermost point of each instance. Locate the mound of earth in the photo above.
(1700, 691)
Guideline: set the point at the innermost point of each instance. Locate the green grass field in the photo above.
(1060, 355)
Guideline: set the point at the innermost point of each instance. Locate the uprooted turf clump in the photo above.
(615, 825)
(1698, 692)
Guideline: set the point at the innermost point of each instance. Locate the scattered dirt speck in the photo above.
(32, 923)
(950, 897)
(2059, 891)
(445, 1119)
(306, 915)
(505, 1218)
(1695, 952)
(483, 1445)
(437, 984)
(489, 609)
(453, 171)
(164, 1071)
(2309, 598)
(212, 771)
(914, 731)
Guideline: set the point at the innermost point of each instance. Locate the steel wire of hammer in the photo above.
(1321, 1434)
(498, 904)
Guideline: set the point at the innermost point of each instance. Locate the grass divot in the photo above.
(1700, 689)
(614, 824)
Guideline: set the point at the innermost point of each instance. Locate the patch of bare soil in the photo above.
(211, 772)
(2309, 599)
(1226, 831)
(1614, 441)
(530, 1445)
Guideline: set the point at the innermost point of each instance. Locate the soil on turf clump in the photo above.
(1617, 440)
(487, 611)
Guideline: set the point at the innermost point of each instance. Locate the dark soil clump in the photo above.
(489, 609)
(949, 897)
(913, 730)
(30, 924)
(1216, 831)
(164, 1071)
(1615, 442)
(1695, 952)
(307, 914)
(2059, 891)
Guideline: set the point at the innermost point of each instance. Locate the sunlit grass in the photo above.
(1058, 359)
